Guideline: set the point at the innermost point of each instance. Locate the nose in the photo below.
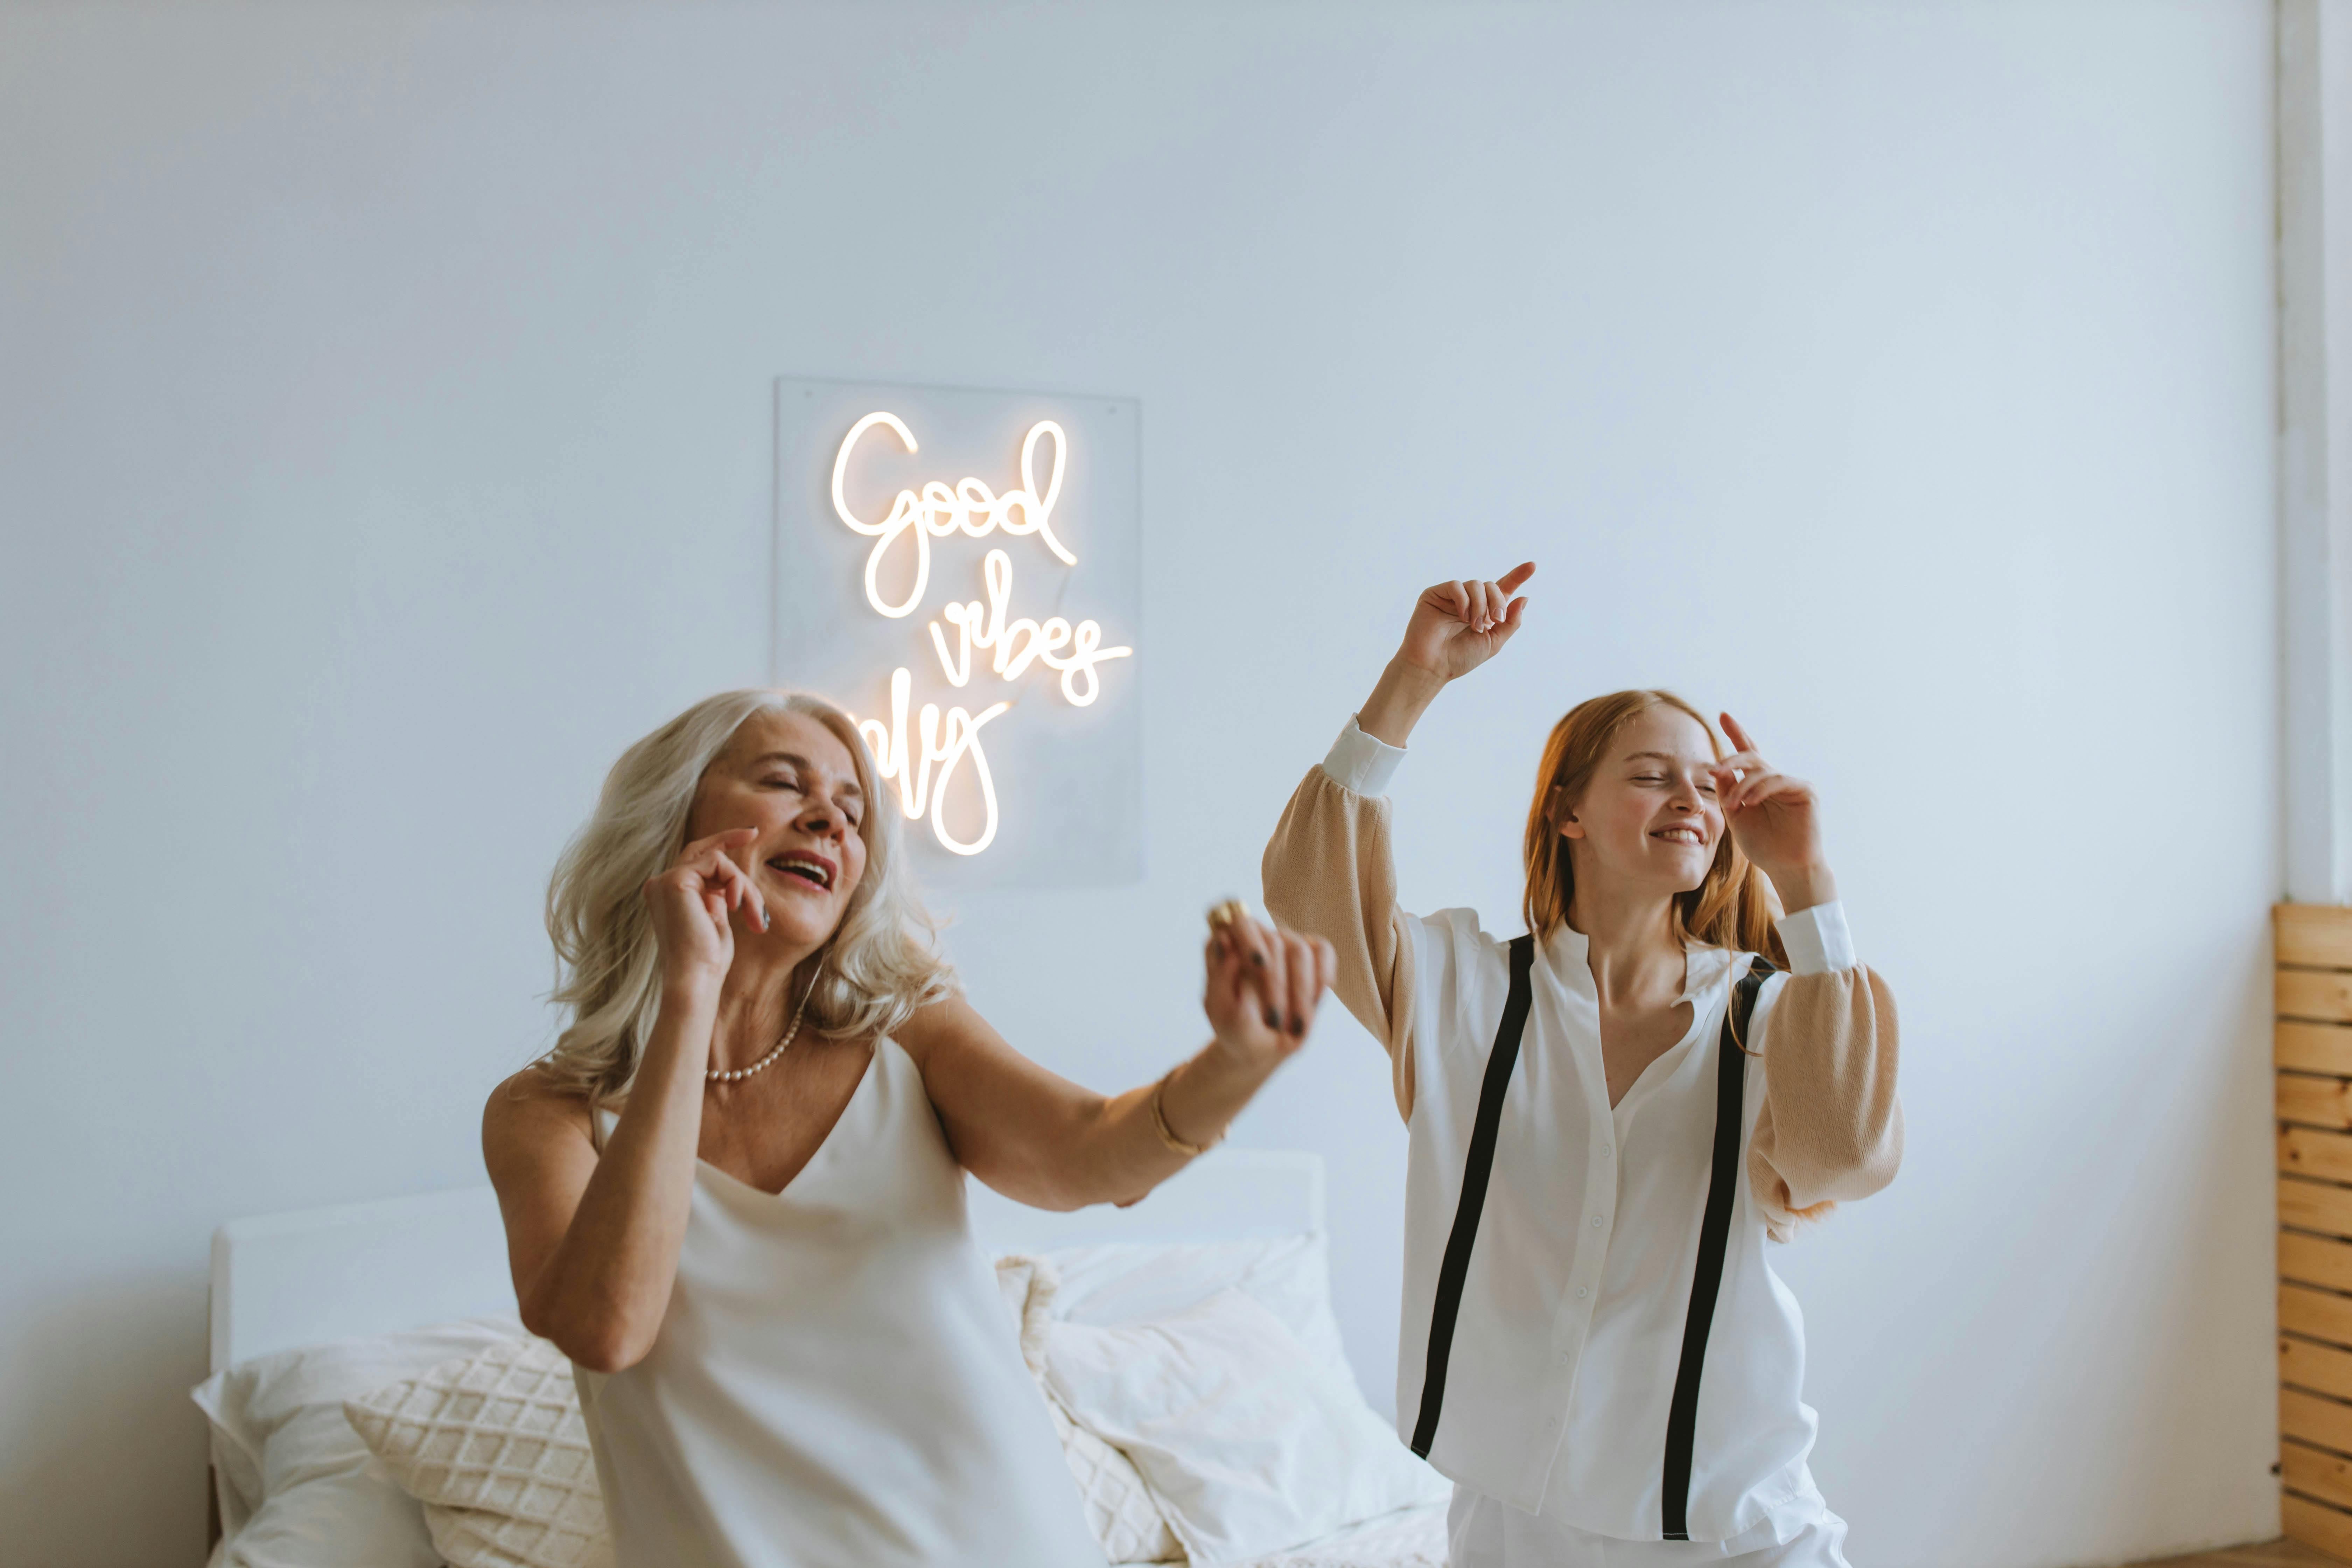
(824, 819)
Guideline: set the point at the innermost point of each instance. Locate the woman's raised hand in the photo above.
(690, 903)
(1457, 627)
(1264, 985)
(1772, 819)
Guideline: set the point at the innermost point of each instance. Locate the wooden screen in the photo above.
(2315, 1113)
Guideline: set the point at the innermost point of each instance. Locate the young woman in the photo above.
(734, 1193)
(1608, 1119)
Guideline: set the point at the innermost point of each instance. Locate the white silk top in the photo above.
(835, 1383)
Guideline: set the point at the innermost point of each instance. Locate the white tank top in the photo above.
(837, 1383)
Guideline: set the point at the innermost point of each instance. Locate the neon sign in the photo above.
(970, 508)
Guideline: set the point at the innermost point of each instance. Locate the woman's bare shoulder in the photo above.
(530, 1109)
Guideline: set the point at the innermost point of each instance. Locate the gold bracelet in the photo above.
(1159, 1120)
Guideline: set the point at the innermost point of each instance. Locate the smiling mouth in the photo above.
(1690, 836)
(807, 867)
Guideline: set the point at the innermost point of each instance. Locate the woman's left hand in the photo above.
(1771, 818)
(1264, 985)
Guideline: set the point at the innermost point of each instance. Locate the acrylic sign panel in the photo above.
(961, 570)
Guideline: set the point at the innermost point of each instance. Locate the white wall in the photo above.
(383, 445)
(2315, 221)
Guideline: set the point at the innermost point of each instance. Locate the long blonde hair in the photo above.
(879, 967)
(1732, 907)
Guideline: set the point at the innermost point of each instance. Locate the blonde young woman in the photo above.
(734, 1192)
(1608, 1119)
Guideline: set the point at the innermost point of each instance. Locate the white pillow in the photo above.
(297, 1488)
(1248, 1445)
(1125, 1521)
(493, 1445)
(1126, 1282)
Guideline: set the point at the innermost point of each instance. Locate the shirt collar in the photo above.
(1571, 958)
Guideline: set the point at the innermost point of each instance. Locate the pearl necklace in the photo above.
(714, 1076)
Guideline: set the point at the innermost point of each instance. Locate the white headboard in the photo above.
(315, 1275)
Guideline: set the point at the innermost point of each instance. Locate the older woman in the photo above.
(734, 1192)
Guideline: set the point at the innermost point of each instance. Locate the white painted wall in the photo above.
(382, 443)
(2315, 220)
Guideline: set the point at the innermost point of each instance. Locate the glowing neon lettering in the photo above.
(923, 765)
(989, 630)
(970, 508)
(908, 762)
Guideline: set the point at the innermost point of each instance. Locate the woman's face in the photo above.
(790, 777)
(1648, 820)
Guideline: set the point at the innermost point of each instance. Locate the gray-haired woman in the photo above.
(734, 1192)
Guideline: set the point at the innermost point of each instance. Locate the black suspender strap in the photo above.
(1456, 1268)
(1714, 1236)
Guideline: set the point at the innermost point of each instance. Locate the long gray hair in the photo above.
(879, 967)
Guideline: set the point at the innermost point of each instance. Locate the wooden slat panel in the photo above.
(2305, 1152)
(2315, 1048)
(2315, 1314)
(2322, 993)
(2314, 1474)
(2323, 1369)
(2318, 935)
(2314, 1260)
(2309, 1418)
(2317, 1524)
(2315, 1205)
(2316, 1101)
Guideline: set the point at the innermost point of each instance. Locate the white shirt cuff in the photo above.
(1357, 762)
(1817, 939)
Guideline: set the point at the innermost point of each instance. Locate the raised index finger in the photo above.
(1509, 581)
(1739, 736)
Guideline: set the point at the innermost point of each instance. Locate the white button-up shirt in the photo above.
(1570, 1333)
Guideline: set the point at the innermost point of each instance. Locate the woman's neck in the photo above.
(755, 1006)
(1630, 942)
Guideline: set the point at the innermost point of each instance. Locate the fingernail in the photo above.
(1259, 959)
(1298, 1025)
(1272, 1019)
(763, 920)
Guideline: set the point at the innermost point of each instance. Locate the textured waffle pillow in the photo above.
(1125, 1521)
(493, 1445)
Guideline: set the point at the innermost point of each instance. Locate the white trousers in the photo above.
(1484, 1533)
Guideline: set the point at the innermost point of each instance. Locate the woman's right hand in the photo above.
(690, 903)
(1457, 627)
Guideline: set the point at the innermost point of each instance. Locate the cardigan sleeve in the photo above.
(1831, 1126)
(1328, 872)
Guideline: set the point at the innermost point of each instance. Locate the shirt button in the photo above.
(1606, 1150)
(1596, 1222)
(1580, 1293)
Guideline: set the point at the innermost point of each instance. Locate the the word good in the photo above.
(968, 507)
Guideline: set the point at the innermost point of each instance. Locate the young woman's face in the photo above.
(788, 776)
(1648, 820)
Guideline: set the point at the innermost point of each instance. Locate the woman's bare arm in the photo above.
(593, 1241)
(1042, 1139)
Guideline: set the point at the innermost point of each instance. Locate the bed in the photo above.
(291, 1286)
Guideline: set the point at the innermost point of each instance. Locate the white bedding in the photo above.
(1414, 1538)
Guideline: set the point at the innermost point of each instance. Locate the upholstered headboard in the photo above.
(317, 1275)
